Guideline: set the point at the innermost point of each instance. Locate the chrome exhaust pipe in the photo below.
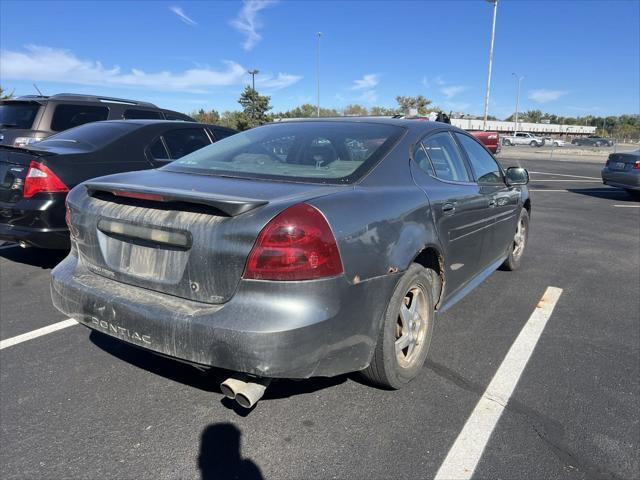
(231, 386)
(249, 394)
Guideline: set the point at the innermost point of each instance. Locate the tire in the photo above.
(556, 144)
(507, 143)
(392, 366)
(519, 243)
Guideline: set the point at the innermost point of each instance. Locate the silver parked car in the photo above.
(622, 170)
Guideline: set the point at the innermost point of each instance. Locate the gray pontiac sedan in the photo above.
(622, 170)
(295, 249)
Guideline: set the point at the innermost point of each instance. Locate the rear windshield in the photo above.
(18, 115)
(90, 135)
(325, 152)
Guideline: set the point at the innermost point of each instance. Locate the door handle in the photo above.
(448, 208)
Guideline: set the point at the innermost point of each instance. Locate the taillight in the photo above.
(637, 165)
(40, 178)
(297, 244)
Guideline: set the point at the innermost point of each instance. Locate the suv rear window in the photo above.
(69, 116)
(18, 115)
(325, 152)
(92, 135)
(133, 114)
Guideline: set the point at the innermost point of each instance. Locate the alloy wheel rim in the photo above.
(411, 326)
(520, 239)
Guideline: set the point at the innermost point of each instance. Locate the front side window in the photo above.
(445, 157)
(186, 140)
(69, 116)
(318, 151)
(483, 165)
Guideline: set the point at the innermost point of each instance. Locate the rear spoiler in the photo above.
(231, 205)
(26, 150)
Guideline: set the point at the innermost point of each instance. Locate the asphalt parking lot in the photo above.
(76, 404)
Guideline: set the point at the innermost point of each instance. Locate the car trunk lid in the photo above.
(622, 161)
(186, 235)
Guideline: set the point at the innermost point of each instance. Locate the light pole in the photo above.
(319, 34)
(515, 125)
(493, 34)
(253, 74)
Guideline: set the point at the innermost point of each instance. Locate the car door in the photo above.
(503, 201)
(176, 143)
(461, 212)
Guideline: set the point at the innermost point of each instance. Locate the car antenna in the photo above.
(38, 90)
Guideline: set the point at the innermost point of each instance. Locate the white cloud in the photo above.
(277, 82)
(183, 16)
(543, 95)
(451, 91)
(39, 63)
(368, 81)
(248, 22)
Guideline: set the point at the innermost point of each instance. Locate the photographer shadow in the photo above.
(220, 457)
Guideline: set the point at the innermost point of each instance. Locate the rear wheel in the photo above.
(406, 331)
(533, 143)
(519, 243)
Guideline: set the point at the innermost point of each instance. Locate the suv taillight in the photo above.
(40, 178)
(637, 165)
(297, 244)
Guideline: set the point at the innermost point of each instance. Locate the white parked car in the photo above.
(522, 138)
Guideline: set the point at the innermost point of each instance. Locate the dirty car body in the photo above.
(181, 260)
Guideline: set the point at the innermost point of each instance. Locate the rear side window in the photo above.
(186, 140)
(134, 114)
(446, 160)
(484, 166)
(69, 116)
(158, 152)
(18, 115)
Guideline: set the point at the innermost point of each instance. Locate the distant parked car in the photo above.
(556, 142)
(592, 141)
(34, 181)
(523, 138)
(491, 140)
(622, 170)
(27, 120)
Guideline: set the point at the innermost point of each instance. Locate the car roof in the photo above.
(149, 121)
(412, 124)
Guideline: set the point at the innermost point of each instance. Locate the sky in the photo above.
(578, 57)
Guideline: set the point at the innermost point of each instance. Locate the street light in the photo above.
(319, 34)
(493, 34)
(515, 127)
(253, 74)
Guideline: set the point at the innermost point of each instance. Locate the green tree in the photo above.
(206, 117)
(5, 96)
(255, 107)
(354, 110)
(407, 103)
(382, 111)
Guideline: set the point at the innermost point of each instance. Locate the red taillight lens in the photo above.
(637, 165)
(297, 244)
(41, 179)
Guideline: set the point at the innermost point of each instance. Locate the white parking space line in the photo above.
(463, 458)
(565, 175)
(10, 342)
(627, 206)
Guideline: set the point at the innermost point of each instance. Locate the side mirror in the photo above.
(517, 176)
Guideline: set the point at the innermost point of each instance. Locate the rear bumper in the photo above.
(271, 329)
(38, 221)
(626, 180)
(36, 237)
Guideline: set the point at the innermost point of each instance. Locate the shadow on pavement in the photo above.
(220, 454)
(207, 380)
(36, 257)
(616, 194)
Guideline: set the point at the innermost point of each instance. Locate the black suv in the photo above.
(28, 119)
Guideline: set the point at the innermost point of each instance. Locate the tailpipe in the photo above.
(246, 391)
